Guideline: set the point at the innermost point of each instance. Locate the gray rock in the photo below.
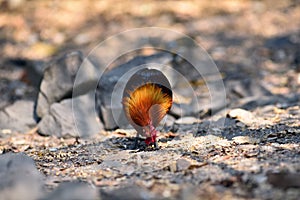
(246, 117)
(68, 81)
(129, 192)
(35, 70)
(61, 122)
(168, 121)
(18, 117)
(58, 80)
(74, 190)
(182, 164)
(241, 86)
(284, 179)
(87, 123)
(187, 120)
(241, 114)
(245, 140)
(19, 178)
(111, 86)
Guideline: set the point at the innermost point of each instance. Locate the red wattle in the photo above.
(150, 140)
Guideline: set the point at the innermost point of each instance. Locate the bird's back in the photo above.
(147, 97)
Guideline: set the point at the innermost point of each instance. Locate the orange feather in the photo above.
(147, 98)
(147, 104)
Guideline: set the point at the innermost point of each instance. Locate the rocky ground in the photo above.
(255, 155)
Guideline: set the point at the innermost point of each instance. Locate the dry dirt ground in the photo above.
(256, 46)
(260, 161)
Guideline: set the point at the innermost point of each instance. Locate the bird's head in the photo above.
(150, 133)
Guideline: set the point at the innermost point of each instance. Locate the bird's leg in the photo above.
(156, 145)
(136, 141)
(153, 136)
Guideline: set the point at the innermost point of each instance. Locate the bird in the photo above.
(147, 98)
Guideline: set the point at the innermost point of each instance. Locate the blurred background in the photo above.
(256, 47)
(257, 40)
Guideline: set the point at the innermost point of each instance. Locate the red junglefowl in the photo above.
(147, 98)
